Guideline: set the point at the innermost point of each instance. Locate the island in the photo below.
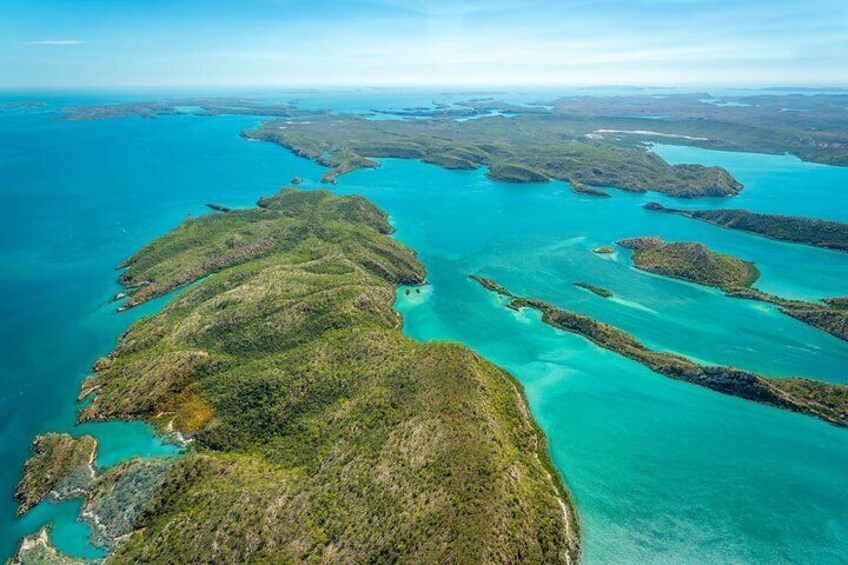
(526, 148)
(219, 207)
(811, 126)
(695, 262)
(826, 401)
(595, 289)
(512, 172)
(691, 261)
(810, 231)
(37, 549)
(113, 500)
(604, 250)
(195, 106)
(578, 187)
(837, 302)
(319, 431)
(60, 464)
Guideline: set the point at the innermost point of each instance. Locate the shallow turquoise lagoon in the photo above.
(661, 471)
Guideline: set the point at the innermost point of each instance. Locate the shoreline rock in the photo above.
(61, 466)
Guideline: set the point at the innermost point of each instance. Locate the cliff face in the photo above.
(321, 432)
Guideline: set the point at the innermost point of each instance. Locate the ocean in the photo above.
(661, 471)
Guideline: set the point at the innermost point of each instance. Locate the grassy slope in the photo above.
(524, 148)
(826, 401)
(322, 433)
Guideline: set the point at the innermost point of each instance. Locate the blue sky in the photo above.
(111, 43)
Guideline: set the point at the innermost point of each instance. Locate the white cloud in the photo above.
(54, 42)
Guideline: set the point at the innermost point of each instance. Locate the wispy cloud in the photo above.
(54, 42)
(429, 41)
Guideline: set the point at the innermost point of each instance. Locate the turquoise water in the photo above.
(661, 471)
(75, 200)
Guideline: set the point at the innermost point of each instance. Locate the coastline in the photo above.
(343, 187)
(569, 552)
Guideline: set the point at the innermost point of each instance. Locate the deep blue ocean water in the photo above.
(661, 471)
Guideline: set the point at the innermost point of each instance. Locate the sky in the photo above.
(291, 43)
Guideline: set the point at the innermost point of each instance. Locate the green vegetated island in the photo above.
(826, 401)
(812, 126)
(526, 148)
(695, 262)
(317, 431)
(194, 106)
(580, 188)
(590, 141)
(828, 234)
(60, 465)
(594, 289)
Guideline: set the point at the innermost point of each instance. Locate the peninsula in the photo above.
(695, 262)
(826, 401)
(797, 229)
(319, 432)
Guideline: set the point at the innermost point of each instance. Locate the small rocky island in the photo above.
(578, 187)
(826, 401)
(594, 289)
